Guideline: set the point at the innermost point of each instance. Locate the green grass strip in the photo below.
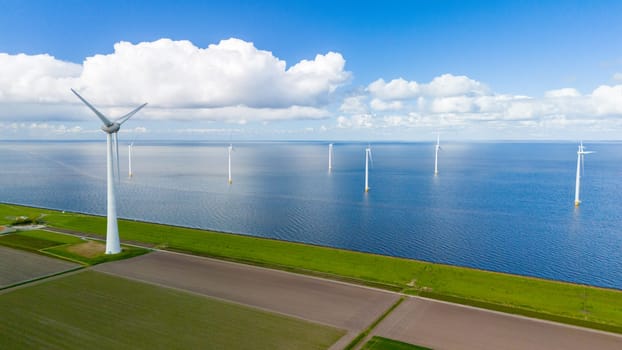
(380, 343)
(364, 334)
(25, 242)
(524, 312)
(585, 305)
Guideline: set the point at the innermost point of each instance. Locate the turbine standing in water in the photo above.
(230, 149)
(580, 168)
(367, 160)
(330, 157)
(113, 245)
(437, 148)
(129, 159)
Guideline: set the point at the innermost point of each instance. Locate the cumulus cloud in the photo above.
(38, 78)
(607, 100)
(177, 76)
(561, 93)
(459, 101)
(357, 121)
(441, 86)
(396, 89)
(233, 72)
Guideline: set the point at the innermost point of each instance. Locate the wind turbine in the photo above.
(230, 148)
(437, 148)
(580, 165)
(113, 245)
(367, 160)
(129, 158)
(330, 157)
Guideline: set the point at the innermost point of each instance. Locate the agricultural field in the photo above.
(17, 266)
(89, 309)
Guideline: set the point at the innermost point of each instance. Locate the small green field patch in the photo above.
(91, 252)
(87, 252)
(380, 343)
(89, 310)
(25, 242)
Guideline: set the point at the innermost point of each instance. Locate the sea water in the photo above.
(501, 206)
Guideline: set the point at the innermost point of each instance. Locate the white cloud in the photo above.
(452, 85)
(178, 79)
(38, 78)
(380, 105)
(607, 100)
(233, 72)
(617, 76)
(459, 101)
(356, 121)
(396, 89)
(441, 86)
(560, 93)
(354, 105)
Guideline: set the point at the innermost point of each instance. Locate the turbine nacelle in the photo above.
(112, 128)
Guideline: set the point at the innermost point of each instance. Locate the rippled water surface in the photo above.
(497, 206)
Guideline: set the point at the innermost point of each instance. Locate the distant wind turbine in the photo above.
(368, 159)
(437, 148)
(129, 158)
(230, 149)
(580, 168)
(113, 245)
(330, 157)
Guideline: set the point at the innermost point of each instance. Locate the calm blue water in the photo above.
(496, 206)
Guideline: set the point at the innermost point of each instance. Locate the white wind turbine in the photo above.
(330, 157)
(113, 245)
(368, 159)
(230, 149)
(580, 168)
(129, 158)
(437, 148)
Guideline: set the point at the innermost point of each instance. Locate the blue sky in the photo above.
(469, 69)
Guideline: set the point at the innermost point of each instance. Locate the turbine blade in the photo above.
(124, 118)
(371, 160)
(103, 118)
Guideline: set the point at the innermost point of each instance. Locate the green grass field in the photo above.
(89, 310)
(60, 246)
(379, 343)
(564, 302)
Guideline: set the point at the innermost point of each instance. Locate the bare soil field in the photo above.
(344, 306)
(440, 325)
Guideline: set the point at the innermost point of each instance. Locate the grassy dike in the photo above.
(563, 302)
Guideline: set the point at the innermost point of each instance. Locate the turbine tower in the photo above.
(580, 165)
(230, 149)
(437, 148)
(330, 157)
(113, 245)
(129, 158)
(367, 160)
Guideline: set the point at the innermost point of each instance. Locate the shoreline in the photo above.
(249, 235)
